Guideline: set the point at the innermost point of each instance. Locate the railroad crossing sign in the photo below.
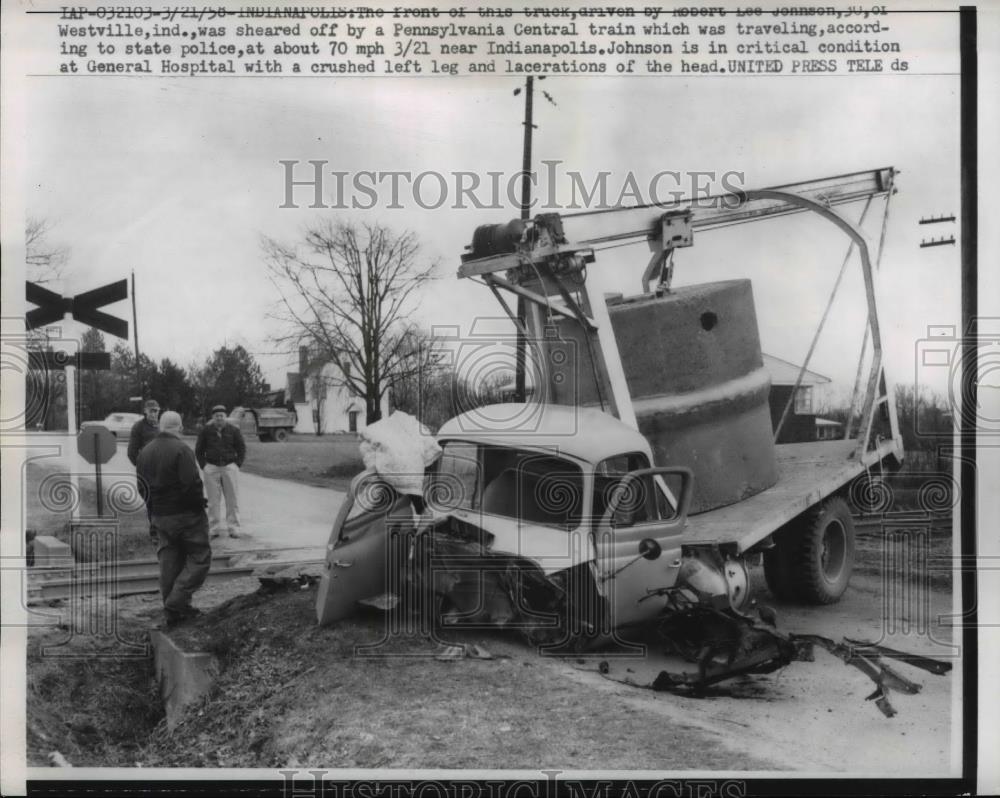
(96, 444)
(83, 308)
(58, 359)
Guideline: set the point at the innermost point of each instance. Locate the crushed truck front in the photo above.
(565, 495)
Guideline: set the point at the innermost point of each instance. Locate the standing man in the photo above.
(144, 430)
(175, 500)
(220, 451)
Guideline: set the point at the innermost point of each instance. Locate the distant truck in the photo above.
(267, 423)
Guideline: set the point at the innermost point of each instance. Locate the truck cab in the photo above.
(560, 498)
(563, 487)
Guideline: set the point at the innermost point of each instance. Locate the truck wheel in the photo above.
(280, 435)
(264, 436)
(820, 553)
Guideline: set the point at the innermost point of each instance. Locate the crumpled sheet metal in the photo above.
(697, 645)
(868, 658)
(730, 644)
(451, 569)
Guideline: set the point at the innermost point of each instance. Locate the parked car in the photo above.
(120, 424)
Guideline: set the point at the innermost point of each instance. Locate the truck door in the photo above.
(638, 538)
(358, 562)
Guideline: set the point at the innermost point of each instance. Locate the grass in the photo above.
(45, 512)
(328, 461)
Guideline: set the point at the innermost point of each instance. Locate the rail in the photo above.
(118, 578)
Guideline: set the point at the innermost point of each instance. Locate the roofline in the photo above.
(566, 443)
(822, 378)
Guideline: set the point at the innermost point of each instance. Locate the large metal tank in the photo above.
(693, 365)
(694, 370)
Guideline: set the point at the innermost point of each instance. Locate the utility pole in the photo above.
(522, 343)
(135, 333)
(526, 162)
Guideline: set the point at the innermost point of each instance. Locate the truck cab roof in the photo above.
(584, 433)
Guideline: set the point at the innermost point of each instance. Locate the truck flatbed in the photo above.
(807, 473)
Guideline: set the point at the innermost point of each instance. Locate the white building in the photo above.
(323, 402)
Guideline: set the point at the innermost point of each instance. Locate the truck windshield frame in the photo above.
(646, 503)
(525, 485)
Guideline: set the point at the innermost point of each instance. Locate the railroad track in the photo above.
(130, 577)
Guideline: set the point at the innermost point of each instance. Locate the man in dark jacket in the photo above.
(144, 430)
(220, 451)
(168, 474)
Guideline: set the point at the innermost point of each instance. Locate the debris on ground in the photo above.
(698, 648)
(444, 575)
(463, 651)
(283, 576)
(867, 658)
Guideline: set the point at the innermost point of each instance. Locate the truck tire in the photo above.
(280, 435)
(264, 437)
(820, 553)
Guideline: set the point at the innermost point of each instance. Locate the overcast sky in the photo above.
(178, 179)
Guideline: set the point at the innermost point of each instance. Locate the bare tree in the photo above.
(345, 292)
(44, 260)
(44, 263)
(421, 384)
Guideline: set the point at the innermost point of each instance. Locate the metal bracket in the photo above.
(675, 230)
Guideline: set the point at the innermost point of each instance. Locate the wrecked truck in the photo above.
(636, 472)
(530, 531)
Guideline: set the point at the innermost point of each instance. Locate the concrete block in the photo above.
(184, 676)
(50, 552)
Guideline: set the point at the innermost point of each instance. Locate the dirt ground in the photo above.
(292, 694)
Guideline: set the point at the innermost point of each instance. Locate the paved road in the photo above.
(274, 513)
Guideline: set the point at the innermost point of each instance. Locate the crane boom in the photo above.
(616, 225)
(623, 225)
